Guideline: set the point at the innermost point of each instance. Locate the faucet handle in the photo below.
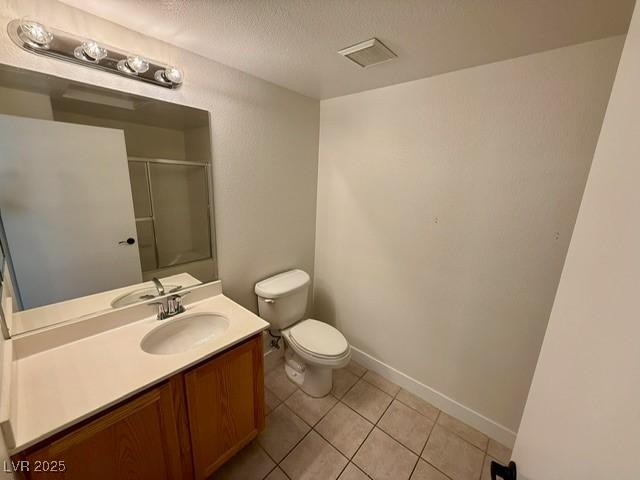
(162, 312)
(179, 306)
(175, 303)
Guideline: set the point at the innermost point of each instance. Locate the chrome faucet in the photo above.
(158, 286)
(173, 307)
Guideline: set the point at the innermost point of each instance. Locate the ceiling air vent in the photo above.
(368, 53)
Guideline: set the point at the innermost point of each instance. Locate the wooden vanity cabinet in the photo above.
(185, 428)
(136, 440)
(225, 400)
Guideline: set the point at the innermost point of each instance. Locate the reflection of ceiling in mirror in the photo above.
(73, 97)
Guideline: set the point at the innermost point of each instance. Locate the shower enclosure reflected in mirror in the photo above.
(100, 192)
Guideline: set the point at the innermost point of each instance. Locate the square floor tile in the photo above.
(367, 400)
(344, 429)
(463, 430)
(277, 474)
(283, 431)
(250, 463)
(382, 383)
(310, 409)
(343, 380)
(406, 425)
(271, 401)
(452, 455)
(353, 473)
(418, 404)
(355, 368)
(424, 471)
(313, 459)
(499, 451)
(382, 458)
(278, 382)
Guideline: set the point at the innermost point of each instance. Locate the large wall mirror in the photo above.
(105, 199)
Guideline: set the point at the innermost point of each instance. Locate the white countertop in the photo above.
(61, 386)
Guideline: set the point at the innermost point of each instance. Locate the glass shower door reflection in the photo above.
(180, 198)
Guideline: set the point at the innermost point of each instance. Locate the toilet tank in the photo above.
(282, 299)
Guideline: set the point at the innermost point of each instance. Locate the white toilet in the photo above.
(314, 348)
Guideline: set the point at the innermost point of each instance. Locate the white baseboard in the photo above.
(487, 426)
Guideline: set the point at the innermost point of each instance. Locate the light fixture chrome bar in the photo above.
(50, 42)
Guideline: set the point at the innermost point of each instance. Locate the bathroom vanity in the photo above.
(102, 407)
(185, 427)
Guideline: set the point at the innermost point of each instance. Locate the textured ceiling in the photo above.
(293, 43)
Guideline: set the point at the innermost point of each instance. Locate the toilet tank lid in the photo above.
(282, 284)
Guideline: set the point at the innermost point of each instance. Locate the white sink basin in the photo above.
(183, 333)
(139, 294)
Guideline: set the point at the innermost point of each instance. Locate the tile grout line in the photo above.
(369, 434)
(460, 436)
(437, 417)
(312, 429)
(376, 424)
(415, 409)
(425, 447)
(350, 460)
(391, 436)
(289, 451)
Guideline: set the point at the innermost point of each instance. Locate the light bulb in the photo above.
(169, 75)
(137, 63)
(173, 74)
(90, 51)
(35, 34)
(133, 65)
(93, 50)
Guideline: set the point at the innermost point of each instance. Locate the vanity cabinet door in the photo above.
(136, 441)
(225, 400)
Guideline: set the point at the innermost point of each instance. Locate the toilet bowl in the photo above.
(313, 349)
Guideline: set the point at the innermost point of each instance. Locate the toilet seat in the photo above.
(318, 342)
(319, 338)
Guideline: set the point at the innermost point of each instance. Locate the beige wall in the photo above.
(582, 418)
(141, 140)
(264, 138)
(445, 209)
(25, 104)
(197, 144)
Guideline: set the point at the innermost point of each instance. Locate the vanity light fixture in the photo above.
(34, 37)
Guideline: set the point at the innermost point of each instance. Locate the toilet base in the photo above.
(314, 380)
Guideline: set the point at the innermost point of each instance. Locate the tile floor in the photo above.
(368, 428)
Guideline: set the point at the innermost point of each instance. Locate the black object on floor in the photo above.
(505, 473)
